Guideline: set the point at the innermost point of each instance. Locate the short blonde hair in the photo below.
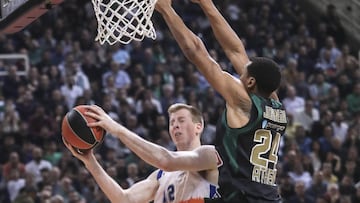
(195, 113)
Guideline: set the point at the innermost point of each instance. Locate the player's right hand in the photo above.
(103, 119)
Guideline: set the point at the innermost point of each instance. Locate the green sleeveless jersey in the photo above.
(250, 153)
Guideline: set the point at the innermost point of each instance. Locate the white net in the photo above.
(124, 20)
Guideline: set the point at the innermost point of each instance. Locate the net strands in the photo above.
(124, 21)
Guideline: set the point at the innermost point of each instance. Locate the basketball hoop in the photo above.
(124, 20)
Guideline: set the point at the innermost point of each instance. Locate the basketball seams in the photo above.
(81, 110)
(86, 119)
(74, 133)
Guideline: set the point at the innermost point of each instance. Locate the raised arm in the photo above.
(143, 191)
(226, 36)
(194, 50)
(203, 158)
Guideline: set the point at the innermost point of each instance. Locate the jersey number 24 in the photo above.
(266, 144)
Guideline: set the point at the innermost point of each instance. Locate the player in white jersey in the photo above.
(183, 185)
(185, 176)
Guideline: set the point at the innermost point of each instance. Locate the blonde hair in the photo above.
(195, 113)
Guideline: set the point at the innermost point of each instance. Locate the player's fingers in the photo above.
(93, 115)
(71, 148)
(92, 108)
(96, 108)
(94, 124)
(67, 145)
(65, 142)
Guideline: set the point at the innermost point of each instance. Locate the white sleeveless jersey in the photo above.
(183, 187)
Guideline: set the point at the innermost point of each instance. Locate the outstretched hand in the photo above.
(103, 120)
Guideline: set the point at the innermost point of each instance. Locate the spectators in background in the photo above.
(319, 156)
(293, 103)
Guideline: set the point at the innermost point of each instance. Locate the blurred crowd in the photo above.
(135, 83)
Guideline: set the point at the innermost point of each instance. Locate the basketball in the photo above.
(75, 131)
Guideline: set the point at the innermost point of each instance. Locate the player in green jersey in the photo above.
(250, 129)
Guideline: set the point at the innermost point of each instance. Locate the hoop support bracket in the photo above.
(25, 14)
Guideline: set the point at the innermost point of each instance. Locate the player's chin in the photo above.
(181, 145)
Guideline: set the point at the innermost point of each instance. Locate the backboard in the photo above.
(17, 14)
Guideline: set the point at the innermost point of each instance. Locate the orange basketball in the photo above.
(75, 131)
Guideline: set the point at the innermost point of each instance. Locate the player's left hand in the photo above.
(82, 155)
